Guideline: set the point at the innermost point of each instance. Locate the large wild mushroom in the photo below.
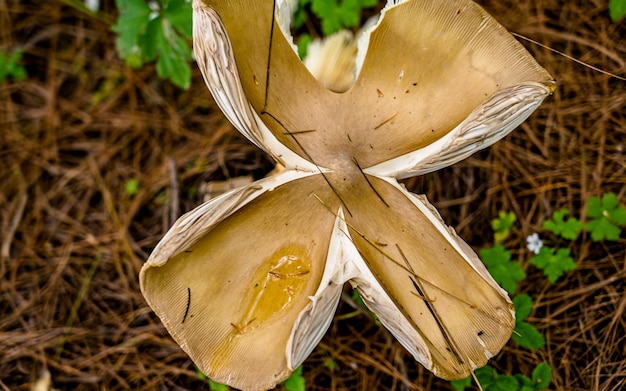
(248, 283)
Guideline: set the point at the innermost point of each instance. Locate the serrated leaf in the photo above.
(132, 23)
(617, 9)
(150, 41)
(527, 336)
(553, 264)
(146, 35)
(506, 272)
(523, 304)
(178, 13)
(542, 376)
(296, 381)
(173, 56)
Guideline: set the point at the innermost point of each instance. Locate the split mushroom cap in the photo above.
(248, 283)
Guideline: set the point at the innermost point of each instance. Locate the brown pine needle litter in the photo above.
(74, 235)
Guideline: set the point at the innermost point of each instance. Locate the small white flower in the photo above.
(92, 5)
(533, 243)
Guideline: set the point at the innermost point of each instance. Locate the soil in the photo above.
(74, 236)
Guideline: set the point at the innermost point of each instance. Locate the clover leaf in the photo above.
(542, 376)
(491, 380)
(568, 229)
(606, 217)
(506, 272)
(553, 264)
(526, 335)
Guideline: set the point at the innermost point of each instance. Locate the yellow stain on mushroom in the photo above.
(273, 288)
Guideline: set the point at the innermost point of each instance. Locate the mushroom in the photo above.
(247, 283)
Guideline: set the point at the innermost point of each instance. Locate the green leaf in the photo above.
(147, 34)
(617, 9)
(504, 383)
(299, 17)
(486, 376)
(10, 66)
(336, 15)
(303, 45)
(606, 217)
(506, 272)
(461, 385)
(527, 336)
(502, 225)
(179, 13)
(172, 63)
(567, 229)
(296, 381)
(524, 382)
(542, 376)
(523, 306)
(215, 386)
(133, 20)
(553, 264)
(132, 186)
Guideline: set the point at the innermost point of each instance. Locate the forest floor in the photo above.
(74, 236)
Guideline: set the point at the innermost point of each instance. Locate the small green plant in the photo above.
(338, 14)
(295, 382)
(10, 67)
(491, 380)
(567, 229)
(334, 15)
(617, 9)
(502, 225)
(506, 272)
(553, 262)
(131, 186)
(526, 335)
(605, 217)
(158, 30)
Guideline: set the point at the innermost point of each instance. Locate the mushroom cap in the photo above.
(248, 283)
